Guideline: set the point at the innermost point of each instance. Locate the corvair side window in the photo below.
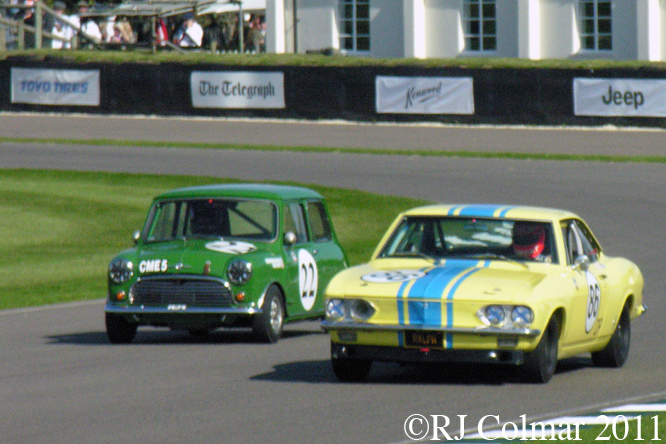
(579, 241)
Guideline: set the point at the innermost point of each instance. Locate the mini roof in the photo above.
(247, 191)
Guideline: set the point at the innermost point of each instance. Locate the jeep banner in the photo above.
(246, 90)
(424, 95)
(619, 97)
(55, 86)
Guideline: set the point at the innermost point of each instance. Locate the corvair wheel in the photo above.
(540, 363)
(351, 370)
(267, 326)
(616, 352)
(119, 330)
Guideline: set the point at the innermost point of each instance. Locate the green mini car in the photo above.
(241, 255)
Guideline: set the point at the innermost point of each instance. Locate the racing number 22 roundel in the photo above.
(307, 278)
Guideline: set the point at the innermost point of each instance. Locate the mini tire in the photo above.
(540, 364)
(267, 325)
(118, 329)
(616, 352)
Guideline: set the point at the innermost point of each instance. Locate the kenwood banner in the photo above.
(55, 86)
(260, 90)
(619, 97)
(424, 95)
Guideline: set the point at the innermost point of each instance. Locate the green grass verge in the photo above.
(378, 151)
(59, 230)
(613, 428)
(145, 56)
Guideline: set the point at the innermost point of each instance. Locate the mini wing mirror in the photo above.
(136, 236)
(582, 262)
(289, 238)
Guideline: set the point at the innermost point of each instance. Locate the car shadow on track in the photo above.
(321, 372)
(167, 337)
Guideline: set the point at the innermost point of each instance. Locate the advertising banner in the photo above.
(424, 95)
(247, 90)
(55, 86)
(619, 97)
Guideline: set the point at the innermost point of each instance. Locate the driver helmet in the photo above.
(529, 239)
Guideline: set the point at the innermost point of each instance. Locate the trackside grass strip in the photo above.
(59, 230)
(311, 149)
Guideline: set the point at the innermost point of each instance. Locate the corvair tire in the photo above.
(616, 352)
(267, 326)
(119, 330)
(351, 370)
(540, 363)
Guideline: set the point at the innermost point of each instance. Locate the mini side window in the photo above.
(294, 221)
(320, 227)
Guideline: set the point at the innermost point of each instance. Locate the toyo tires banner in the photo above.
(237, 90)
(619, 97)
(424, 95)
(55, 86)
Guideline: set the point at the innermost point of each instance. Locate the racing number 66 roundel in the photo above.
(307, 278)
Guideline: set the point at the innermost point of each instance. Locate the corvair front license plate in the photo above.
(427, 339)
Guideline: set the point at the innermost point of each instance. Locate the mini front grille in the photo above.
(190, 292)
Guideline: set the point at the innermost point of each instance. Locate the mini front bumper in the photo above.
(176, 309)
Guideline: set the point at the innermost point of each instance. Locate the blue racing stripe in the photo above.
(449, 305)
(431, 288)
(480, 210)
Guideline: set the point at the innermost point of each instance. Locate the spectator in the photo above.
(161, 33)
(86, 23)
(57, 27)
(190, 33)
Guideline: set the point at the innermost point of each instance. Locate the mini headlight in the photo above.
(120, 270)
(239, 271)
(522, 316)
(361, 310)
(335, 309)
(494, 314)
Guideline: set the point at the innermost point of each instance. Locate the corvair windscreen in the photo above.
(212, 218)
(471, 238)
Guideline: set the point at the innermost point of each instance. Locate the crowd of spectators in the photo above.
(220, 31)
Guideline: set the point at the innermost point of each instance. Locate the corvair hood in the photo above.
(464, 280)
(189, 256)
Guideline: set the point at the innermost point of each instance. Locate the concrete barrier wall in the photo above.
(500, 96)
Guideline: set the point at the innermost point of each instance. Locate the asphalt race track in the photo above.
(62, 382)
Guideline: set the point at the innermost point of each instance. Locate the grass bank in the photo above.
(375, 151)
(59, 230)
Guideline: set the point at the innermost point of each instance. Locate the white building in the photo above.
(530, 29)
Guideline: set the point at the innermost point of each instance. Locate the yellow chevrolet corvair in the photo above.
(484, 283)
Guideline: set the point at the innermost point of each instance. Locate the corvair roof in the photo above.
(492, 211)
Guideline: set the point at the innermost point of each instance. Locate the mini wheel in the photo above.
(267, 326)
(119, 330)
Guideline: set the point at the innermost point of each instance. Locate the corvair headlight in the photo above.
(120, 270)
(335, 309)
(356, 310)
(506, 316)
(522, 316)
(495, 314)
(239, 271)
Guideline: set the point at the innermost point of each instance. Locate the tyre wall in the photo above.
(500, 96)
